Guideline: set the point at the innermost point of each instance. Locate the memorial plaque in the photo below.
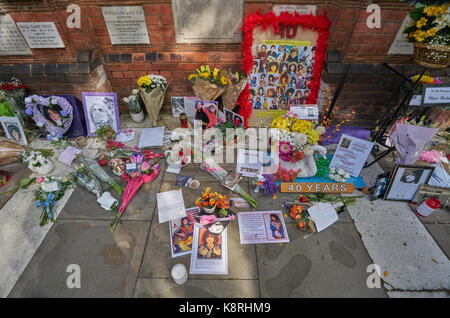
(300, 9)
(41, 35)
(400, 45)
(126, 24)
(208, 21)
(11, 40)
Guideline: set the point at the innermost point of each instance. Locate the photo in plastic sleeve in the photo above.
(275, 226)
(206, 113)
(181, 233)
(13, 130)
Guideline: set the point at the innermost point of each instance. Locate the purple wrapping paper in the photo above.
(354, 131)
(78, 127)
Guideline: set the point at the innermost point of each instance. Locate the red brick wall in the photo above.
(78, 67)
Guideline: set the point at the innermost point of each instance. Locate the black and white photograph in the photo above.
(13, 129)
(100, 109)
(177, 106)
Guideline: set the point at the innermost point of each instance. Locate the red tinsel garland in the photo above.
(319, 24)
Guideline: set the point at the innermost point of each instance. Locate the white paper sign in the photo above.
(323, 215)
(416, 100)
(400, 45)
(437, 95)
(11, 40)
(126, 24)
(300, 9)
(249, 162)
(170, 205)
(40, 35)
(262, 227)
(50, 186)
(305, 112)
(351, 154)
(106, 200)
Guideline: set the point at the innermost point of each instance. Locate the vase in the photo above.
(45, 168)
(137, 118)
(209, 210)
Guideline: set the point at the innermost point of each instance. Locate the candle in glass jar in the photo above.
(183, 121)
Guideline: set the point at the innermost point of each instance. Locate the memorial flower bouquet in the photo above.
(49, 199)
(236, 125)
(430, 33)
(144, 171)
(14, 92)
(37, 160)
(236, 84)
(207, 84)
(295, 141)
(152, 88)
(209, 201)
(134, 105)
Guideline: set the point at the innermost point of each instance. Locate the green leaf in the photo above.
(25, 182)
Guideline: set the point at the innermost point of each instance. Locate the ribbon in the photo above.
(47, 203)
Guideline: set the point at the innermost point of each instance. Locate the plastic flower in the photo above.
(135, 91)
(313, 137)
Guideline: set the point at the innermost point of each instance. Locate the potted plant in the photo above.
(209, 201)
(133, 104)
(430, 33)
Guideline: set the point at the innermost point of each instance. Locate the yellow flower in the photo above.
(421, 22)
(144, 81)
(216, 72)
(212, 201)
(429, 11)
(423, 79)
(431, 32)
(313, 137)
(204, 74)
(223, 80)
(192, 76)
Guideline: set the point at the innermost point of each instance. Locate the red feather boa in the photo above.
(319, 24)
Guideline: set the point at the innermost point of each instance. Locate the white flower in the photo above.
(332, 170)
(135, 91)
(320, 130)
(346, 175)
(126, 100)
(28, 100)
(341, 172)
(40, 124)
(300, 139)
(133, 97)
(59, 123)
(56, 139)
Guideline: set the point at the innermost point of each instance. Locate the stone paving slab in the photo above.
(144, 201)
(196, 288)
(17, 171)
(400, 244)
(418, 294)
(441, 234)
(438, 216)
(109, 263)
(331, 263)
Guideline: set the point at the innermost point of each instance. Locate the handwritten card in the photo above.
(67, 156)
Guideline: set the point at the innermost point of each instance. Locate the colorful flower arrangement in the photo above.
(211, 200)
(149, 82)
(425, 79)
(132, 102)
(206, 74)
(338, 175)
(429, 25)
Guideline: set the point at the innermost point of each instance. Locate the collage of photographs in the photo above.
(281, 76)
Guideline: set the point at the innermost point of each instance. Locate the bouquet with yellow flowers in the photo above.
(295, 141)
(153, 89)
(430, 32)
(208, 85)
(236, 84)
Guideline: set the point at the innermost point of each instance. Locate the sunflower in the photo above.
(223, 81)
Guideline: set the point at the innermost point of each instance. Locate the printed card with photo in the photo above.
(260, 227)
(181, 233)
(237, 119)
(206, 113)
(13, 129)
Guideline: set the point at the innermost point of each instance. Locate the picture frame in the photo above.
(14, 130)
(100, 109)
(380, 186)
(405, 181)
(435, 95)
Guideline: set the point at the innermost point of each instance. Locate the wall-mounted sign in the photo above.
(400, 45)
(41, 35)
(11, 40)
(317, 187)
(126, 24)
(436, 95)
(301, 9)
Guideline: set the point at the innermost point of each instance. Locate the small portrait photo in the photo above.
(255, 66)
(265, 104)
(177, 106)
(304, 54)
(345, 143)
(262, 66)
(101, 109)
(260, 91)
(206, 112)
(261, 52)
(301, 82)
(13, 129)
(229, 115)
(289, 93)
(293, 55)
(272, 80)
(51, 113)
(301, 69)
(262, 80)
(380, 186)
(292, 69)
(411, 176)
(273, 103)
(293, 81)
(298, 94)
(254, 79)
(273, 52)
(284, 67)
(271, 92)
(274, 226)
(280, 91)
(282, 52)
(238, 120)
(252, 92)
(284, 80)
(209, 245)
(257, 103)
(181, 232)
(282, 104)
(273, 67)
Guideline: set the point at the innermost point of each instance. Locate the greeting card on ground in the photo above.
(209, 252)
(323, 215)
(205, 114)
(170, 205)
(182, 232)
(262, 227)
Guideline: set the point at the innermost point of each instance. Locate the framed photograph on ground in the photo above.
(13, 129)
(181, 233)
(100, 109)
(380, 186)
(205, 114)
(405, 180)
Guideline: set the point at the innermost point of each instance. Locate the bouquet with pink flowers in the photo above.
(141, 172)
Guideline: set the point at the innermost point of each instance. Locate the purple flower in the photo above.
(59, 135)
(29, 111)
(63, 113)
(50, 137)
